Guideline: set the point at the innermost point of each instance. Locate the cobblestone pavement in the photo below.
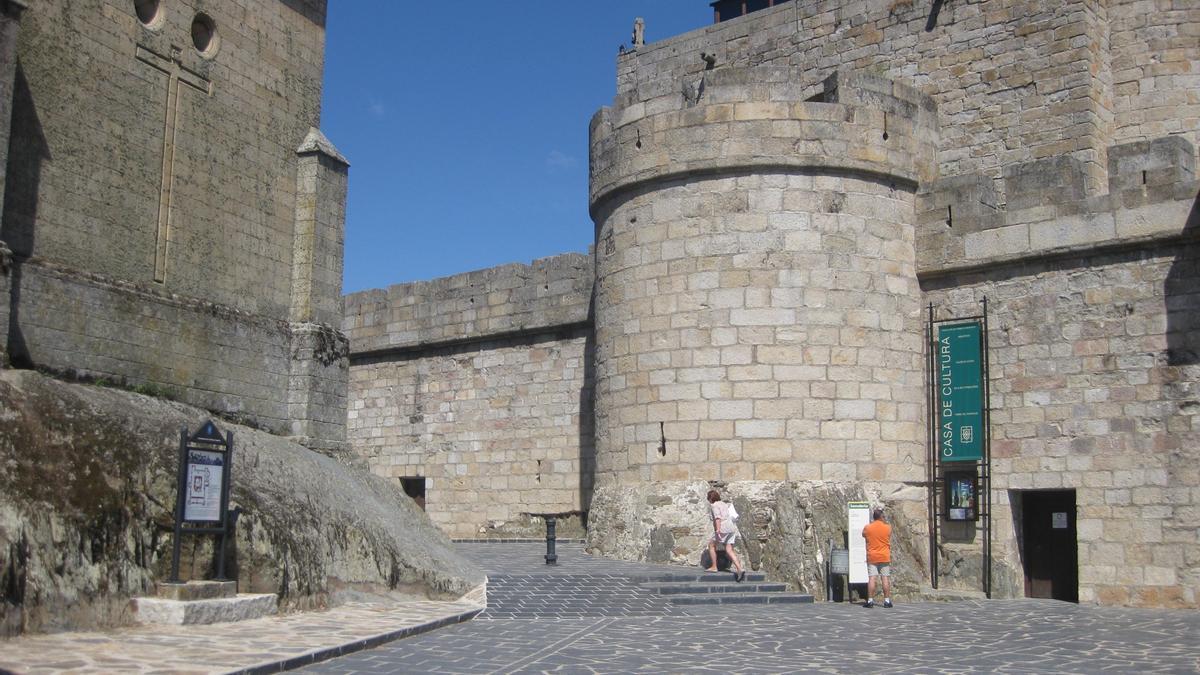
(521, 633)
(588, 615)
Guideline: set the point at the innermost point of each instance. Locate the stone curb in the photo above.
(326, 653)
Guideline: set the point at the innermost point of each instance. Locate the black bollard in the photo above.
(551, 556)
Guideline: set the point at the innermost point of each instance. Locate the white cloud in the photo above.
(375, 108)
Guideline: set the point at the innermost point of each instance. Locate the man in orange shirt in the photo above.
(879, 558)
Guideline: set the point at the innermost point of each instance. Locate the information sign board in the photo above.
(202, 491)
(858, 516)
(205, 469)
(959, 384)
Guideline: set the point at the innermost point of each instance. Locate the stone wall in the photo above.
(480, 384)
(1013, 81)
(1155, 48)
(1093, 348)
(175, 218)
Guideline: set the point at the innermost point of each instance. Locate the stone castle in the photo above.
(780, 200)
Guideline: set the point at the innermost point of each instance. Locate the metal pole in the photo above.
(987, 457)
(932, 454)
(180, 488)
(226, 475)
(551, 556)
(829, 574)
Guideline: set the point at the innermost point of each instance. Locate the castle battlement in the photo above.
(765, 119)
(962, 224)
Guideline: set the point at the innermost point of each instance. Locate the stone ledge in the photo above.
(191, 591)
(218, 610)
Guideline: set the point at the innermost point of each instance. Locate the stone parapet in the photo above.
(511, 299)
(1151, 196)
(758, 119)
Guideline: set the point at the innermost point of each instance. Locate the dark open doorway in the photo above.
(1049, 548)
(414, 486)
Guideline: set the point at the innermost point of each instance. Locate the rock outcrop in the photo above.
(88, 476)
(786, 527)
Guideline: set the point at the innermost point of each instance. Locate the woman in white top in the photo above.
(725, 533)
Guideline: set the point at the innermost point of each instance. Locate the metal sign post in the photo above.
(202, 491)
(959, 436)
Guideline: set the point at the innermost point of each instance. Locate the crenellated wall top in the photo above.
(1046, 209)
(765, 119)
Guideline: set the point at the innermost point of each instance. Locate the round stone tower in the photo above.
(757, 312)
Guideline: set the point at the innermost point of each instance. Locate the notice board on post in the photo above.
(858, 516)
(959, 469)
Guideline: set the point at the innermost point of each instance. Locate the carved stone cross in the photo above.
(176, 74)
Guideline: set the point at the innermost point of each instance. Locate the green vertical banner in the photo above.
(959, 384)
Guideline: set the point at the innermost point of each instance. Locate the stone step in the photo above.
(195, 590)
(741, 599)
(241, 607)
(696, 577)
(684, 587)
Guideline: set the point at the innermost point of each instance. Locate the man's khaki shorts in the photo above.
(879, 569)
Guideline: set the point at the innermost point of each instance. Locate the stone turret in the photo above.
(757, 306)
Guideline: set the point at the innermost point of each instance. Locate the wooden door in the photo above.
(1048, 544)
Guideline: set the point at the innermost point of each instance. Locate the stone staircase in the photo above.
(719, 588)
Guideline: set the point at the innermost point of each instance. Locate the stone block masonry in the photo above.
(176, 220)
(1094, 351)
(479, 386)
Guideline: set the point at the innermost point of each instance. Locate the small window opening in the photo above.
(147, 12)
(414, 487)
(204, 34)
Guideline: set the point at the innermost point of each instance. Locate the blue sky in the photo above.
(466, 125)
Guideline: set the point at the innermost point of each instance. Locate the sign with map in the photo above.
(205, 471)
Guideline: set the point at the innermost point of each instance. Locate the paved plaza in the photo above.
(584, 616)
(592, 615)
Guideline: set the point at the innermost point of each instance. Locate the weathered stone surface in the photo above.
(85, 516)
(196, 589)
(786, 527)
(165, 227)
(241, 607)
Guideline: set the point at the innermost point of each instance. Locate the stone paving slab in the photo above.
(259, 645)
(533, 624)
(591, 615)
(1006, 636)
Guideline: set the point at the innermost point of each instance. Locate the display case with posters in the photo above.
(962, 491)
